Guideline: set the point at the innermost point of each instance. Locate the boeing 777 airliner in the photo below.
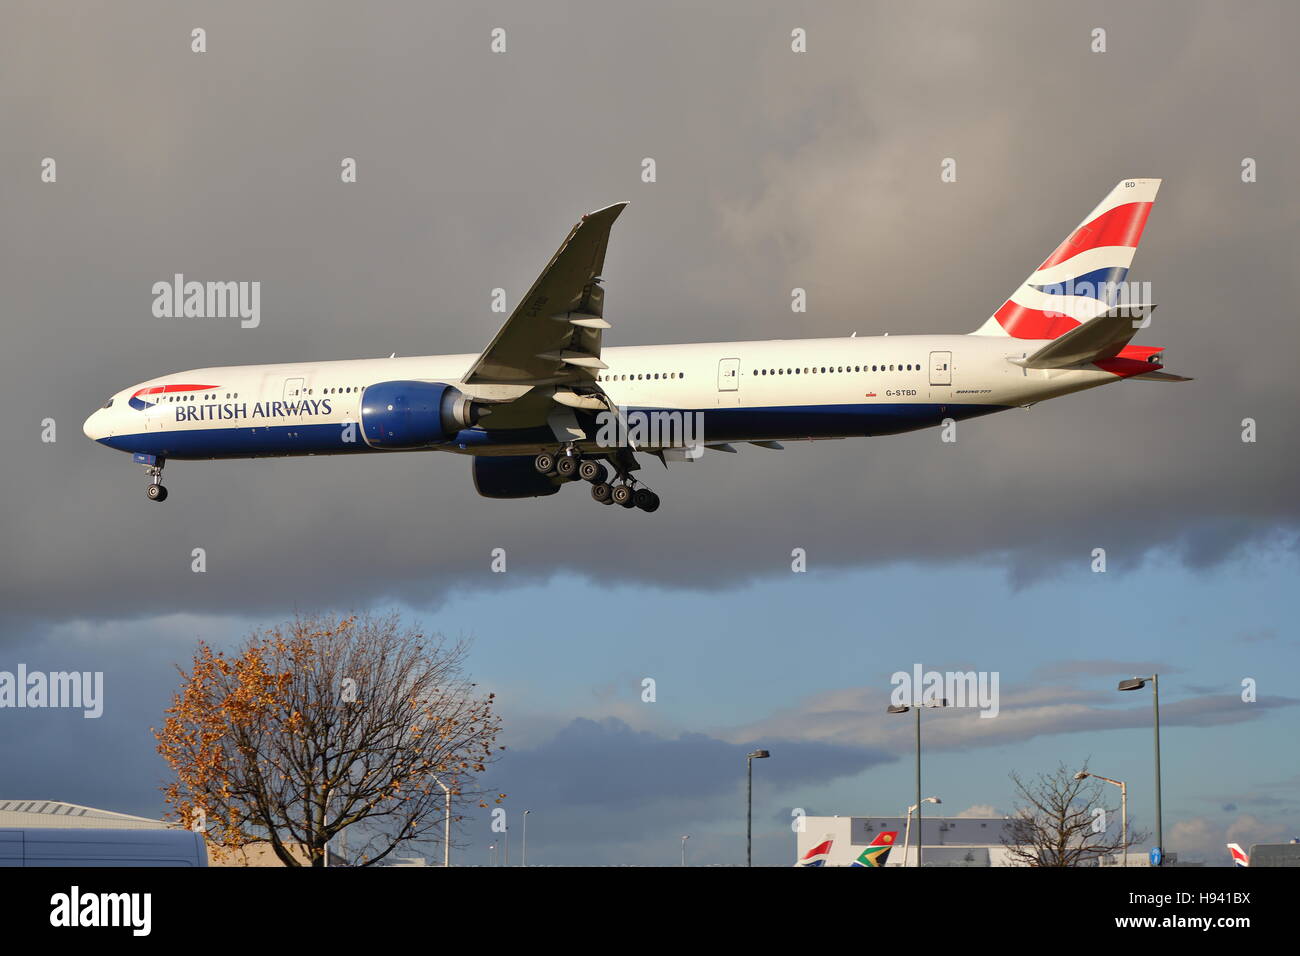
(546, 404)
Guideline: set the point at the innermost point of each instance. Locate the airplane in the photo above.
(546, 403)
(818, 855)
(877, 852)
(1239, 856)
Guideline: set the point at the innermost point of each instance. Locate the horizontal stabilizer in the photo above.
(1101, 337)
(1161, 377)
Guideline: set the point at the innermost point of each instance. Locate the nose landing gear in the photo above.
(153, 467)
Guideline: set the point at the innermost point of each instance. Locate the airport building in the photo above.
(945, 841)
(56, 815)
(30, 814)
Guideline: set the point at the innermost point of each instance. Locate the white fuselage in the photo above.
(748, 391)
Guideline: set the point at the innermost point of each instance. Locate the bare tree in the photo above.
(326, 725)
(1056, 821)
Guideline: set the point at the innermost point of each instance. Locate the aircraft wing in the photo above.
(553, 335)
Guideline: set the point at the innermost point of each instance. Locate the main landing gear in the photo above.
(153, 467)
(568, 465)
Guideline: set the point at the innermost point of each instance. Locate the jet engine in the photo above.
(511, 476)
(415, 414)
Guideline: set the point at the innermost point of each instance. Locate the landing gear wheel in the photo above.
(156, 493)
(544, 463)
(622, 495)
(592, 471)
(646, 500)
(567, 468)
(601, 492)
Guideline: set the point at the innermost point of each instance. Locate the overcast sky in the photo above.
(776, 170)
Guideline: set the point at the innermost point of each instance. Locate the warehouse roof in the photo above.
(54, 813)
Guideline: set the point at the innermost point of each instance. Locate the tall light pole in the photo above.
(525, 851)
(749, 806)
(492, 854)
(685, 837)
(902, 709)
(1137, 683)
(1123, 806)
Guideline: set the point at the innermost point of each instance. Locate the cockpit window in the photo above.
(109, 403)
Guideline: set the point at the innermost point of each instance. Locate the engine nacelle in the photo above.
(414, 414)
(511, 476)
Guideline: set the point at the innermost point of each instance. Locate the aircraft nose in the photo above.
(94, 425)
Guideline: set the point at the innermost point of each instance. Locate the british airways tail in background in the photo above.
(547, 403)
(818, 855)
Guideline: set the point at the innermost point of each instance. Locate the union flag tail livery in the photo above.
(1079, 280)
(818, 855)
(1239, 857)
(878, 851)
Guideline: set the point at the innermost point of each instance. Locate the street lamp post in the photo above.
(524, 861)
(1137, 683)
(685, 837)
(1123, 806)
(902, 709)
(907, 833)
(749, 806)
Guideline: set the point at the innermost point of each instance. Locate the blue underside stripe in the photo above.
(720, 425)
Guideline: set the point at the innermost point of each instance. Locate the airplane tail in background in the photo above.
(878, 851)
(1079, 281)
(818, 855)
(1239, 857)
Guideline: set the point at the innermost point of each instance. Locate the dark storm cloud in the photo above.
(776, 170)
(601, 789)
(608, 763)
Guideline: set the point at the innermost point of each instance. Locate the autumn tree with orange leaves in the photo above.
(326, 725)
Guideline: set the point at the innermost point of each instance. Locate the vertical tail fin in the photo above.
(1080, 279)
(878, 851)
(818, 855)
(1239, 857)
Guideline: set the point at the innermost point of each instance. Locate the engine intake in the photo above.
(414, 414)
